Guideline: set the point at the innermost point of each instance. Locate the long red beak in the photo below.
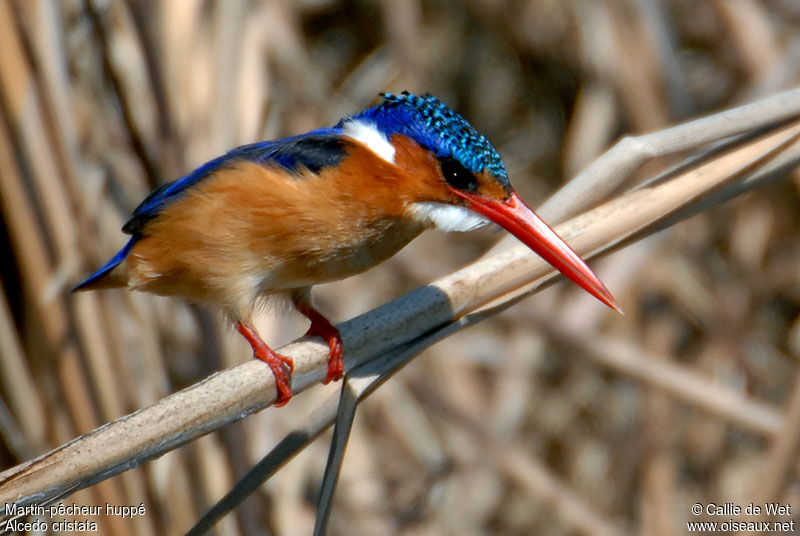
(517, 218)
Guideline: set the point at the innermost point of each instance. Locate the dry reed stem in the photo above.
(234, 393)
(17, 381)
(613, 167)
(679, 381)
(528, 473)
(782, 456)
(25, 113)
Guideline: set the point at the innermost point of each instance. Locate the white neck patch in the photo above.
(370, 136)
(446, 217)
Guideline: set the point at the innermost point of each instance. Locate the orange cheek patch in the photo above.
(490, 187)
(422, 175)
(423, 178)
(413, 177)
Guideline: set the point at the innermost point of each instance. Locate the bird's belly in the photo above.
(225, 273)
(324, 259)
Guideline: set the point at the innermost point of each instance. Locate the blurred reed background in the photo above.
(495, 431)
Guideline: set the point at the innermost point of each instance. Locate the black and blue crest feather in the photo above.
(431, 123)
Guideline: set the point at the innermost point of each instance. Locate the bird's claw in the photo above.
(334, 340)
(335, 362)
(282, 368)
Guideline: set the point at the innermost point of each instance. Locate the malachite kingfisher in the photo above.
(276, 217)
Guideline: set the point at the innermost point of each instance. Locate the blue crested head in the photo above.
(431, 123)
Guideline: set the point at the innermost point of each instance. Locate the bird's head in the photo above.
(461, 183)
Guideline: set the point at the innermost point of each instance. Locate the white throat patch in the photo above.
(447, 217)
(370, 136)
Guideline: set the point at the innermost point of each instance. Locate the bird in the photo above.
(274, 218)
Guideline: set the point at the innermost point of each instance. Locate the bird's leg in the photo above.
(277, 363)
(322, 327)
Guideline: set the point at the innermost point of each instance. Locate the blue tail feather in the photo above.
(106, 268)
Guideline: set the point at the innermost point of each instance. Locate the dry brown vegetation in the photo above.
(556, 416)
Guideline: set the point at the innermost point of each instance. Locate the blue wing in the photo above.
(97, 277)
(313, 151)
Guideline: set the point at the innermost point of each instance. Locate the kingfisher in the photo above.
(274, 218)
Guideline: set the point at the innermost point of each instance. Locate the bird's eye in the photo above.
(457, 175)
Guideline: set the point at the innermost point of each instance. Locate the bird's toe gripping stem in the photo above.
(282, 367)
(335, 360)
(321, 327)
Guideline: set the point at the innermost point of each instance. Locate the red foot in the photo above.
(277, 363)
(322, 327)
